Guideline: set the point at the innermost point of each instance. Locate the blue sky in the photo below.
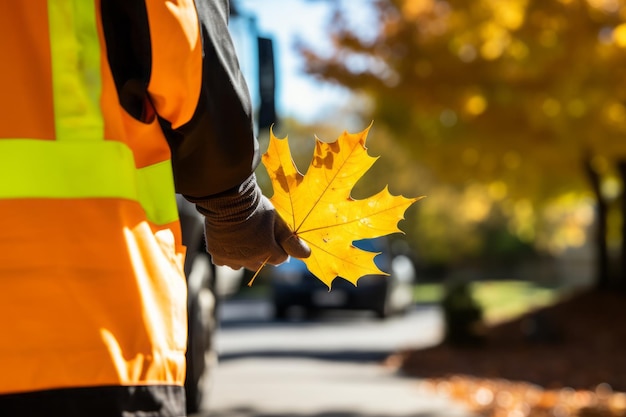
(299, 95)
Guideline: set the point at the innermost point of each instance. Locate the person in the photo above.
(108, 109)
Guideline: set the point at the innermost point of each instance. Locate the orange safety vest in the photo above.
(92, 290)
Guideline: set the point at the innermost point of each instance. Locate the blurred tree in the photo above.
(525, 95)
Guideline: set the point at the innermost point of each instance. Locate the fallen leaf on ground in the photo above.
(582, 375)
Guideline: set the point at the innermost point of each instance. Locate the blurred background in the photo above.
(510, 116)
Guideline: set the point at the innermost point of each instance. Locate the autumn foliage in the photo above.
(526, 97)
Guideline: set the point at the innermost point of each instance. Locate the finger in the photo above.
(296, 247)
(278, 257)
(291, 244)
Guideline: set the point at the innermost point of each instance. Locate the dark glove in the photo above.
(244, 230)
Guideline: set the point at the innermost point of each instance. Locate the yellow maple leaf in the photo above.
(319, 209)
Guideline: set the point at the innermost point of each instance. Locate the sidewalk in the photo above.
(296, 387)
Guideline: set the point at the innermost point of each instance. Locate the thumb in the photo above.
(289, 241)
(296, 247)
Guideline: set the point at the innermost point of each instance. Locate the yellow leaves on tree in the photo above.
(319, 209)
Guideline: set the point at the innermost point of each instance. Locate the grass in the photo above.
(428, 293)
(501, 300)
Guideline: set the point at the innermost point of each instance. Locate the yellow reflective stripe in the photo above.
(76, 82)
(156, 192)
(104, 169)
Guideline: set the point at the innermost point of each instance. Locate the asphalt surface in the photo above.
(327, 367)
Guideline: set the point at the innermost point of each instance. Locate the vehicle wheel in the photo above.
(280, 311)
(201, 355)
(383, 310)
(312, 313)
(381, 313)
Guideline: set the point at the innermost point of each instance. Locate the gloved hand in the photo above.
(244, 230)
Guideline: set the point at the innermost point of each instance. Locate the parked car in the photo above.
(292, 285)
(206, 285)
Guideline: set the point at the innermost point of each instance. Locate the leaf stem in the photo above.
(257, 271)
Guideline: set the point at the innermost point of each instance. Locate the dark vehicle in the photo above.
(201, 304)
(206, 283)
(294, 286)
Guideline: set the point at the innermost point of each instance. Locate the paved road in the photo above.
(328, 367)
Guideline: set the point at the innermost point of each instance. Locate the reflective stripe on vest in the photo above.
(87, 169)
(80, 163)
(76, 83)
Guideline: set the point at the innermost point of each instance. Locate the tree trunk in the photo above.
(621, 277)
(603, 279)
